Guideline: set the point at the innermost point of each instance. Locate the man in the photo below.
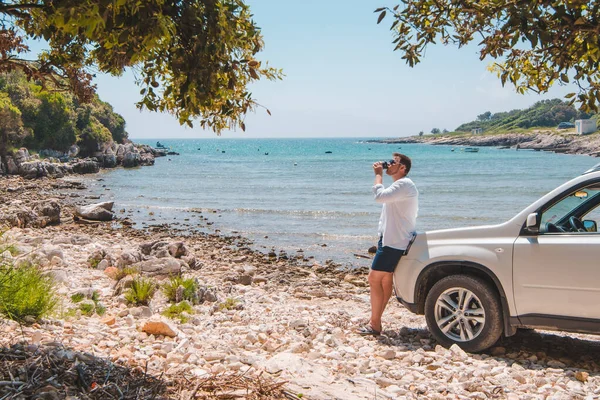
(396, 226)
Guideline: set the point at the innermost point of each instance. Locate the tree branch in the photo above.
(15, 7)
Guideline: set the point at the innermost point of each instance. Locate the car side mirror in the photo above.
(532, 223)
(590, 225)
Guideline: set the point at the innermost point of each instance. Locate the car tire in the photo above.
(475, 325)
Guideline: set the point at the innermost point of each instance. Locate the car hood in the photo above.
(470, 232)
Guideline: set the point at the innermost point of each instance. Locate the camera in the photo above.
(387, 164)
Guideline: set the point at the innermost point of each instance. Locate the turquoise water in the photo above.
(301, 197)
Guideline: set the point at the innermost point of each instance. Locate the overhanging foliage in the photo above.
(192, 58)
(536, 43)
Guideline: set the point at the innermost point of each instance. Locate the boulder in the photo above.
(131, 160)
(13, 168)
(49, 209)
(87, 166)
(129, 258)
(152, 248)
(178, 249)
(21, 156)
(32, 169)
(161, 267)
(109, 159)
(158, 327)
(96, 212)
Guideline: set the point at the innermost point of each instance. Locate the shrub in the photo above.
(175, 311)
(190, 289)
(122, 273)
(25, 292)
(77, 297)
(100, 309)
(229, 304)
(87, 308)
(141, 291)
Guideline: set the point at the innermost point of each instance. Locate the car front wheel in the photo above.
(464, 310)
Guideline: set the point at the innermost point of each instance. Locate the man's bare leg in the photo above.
(380, 284)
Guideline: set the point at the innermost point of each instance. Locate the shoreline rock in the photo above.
(541, 141)
(57, 164)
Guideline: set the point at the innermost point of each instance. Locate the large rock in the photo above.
(96, 212)
(178, 249)
(109, 159)
(158, 327)
(49, 209)
(129, 258)
(131, 160)
(86, 166)
(20, 217)
(21, 156)
(13, 168)
(32, 169)
(161, 267)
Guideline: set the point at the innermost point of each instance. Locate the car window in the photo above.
(576, 203)
(593, 215)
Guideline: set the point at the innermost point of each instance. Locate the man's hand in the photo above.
(377, 168)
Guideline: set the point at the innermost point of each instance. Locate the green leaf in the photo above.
(381, 17)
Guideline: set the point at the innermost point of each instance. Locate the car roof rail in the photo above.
(595, 168)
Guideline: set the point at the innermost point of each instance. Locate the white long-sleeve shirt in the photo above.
(399, 212)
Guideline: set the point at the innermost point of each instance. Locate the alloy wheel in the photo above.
(459, 314)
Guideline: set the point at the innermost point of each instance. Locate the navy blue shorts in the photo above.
(386, 258)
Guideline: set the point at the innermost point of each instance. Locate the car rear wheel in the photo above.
(464, 310)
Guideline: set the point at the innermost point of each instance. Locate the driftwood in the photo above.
(54, 372)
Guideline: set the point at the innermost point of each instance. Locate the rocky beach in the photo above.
(540, 140)
(263, 324)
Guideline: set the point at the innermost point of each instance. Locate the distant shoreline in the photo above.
(546, 140)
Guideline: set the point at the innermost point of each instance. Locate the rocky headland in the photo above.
(264, 324)
(542, 140)
(57, 164)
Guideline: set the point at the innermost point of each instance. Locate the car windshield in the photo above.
(569, 205)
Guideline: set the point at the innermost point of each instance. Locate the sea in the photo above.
(314, 195)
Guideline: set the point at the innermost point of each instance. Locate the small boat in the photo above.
(159, 145)
(471, 149)
(266, 154)
(328, 152)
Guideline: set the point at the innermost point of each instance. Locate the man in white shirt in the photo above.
(396, 227)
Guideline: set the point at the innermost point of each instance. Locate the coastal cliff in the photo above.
(542, 140)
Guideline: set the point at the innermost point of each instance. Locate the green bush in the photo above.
(77, 297)
(229, 304)
(141, 291)
(87, 308)
(175, 311)
(122, 273)
(25, 292)
(190, 288)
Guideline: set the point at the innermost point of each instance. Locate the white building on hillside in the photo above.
(585, 126)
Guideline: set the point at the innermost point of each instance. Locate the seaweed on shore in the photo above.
(54, 372)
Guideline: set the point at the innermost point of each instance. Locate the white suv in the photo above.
(541, 269)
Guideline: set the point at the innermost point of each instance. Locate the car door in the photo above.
(556, 273)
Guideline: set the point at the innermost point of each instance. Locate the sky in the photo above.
(342, 79)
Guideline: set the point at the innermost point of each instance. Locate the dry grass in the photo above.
(55, 372)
